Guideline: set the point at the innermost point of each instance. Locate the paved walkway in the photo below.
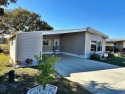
(97, 77)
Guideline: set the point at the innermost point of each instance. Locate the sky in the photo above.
(106, 16)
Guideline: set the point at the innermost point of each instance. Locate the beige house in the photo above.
(117, 43)
(75, 42)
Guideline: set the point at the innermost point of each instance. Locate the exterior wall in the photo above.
(109, 44)
(119, 45)
(103, 44)
(28, 45)
(123, 44)
(93, 37)
(13, 48)
(73, 43)
(49, 48)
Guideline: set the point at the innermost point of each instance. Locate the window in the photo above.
(99, 46)
(93, 45)
(46, 42)
(96, 46)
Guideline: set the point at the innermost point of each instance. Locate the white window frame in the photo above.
(96, 44)
(93, 44)
(99, 45)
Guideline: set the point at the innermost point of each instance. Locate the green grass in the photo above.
(115, 61)
(3, 61)
(27, 78)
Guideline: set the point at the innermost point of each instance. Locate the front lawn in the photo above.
(115, 61)
(26, 78)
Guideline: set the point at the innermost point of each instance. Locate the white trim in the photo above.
(71, 54)
(51, 53)
(63, 31)
(65, 53)
(47, 52)
(57, 52)
(115, 39)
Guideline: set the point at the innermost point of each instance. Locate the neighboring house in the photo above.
(3, 38)
(117, 43)
(76, 42)
(3, 41)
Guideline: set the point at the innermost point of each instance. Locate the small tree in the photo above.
(38, 58)
(47, 69)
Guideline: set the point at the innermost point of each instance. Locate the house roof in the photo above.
(88, 29)
(115, 39)
(52, 32)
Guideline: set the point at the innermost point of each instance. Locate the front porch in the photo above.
(69, 44)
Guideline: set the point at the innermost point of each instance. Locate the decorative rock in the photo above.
(49, 89)
(36, 90)
(105, 55)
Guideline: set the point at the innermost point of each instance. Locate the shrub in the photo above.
(120, 54)
(38, 58)
(18, 62)
(111, 55)
(29, 61)
(94, 56)
(46, 69)
(6, 51)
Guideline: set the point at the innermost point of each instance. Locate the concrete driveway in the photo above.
(97, 77)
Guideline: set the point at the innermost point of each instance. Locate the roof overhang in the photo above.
(88, 29)
(55, 32)
(115, 40)
(91, 30)
(63, 31)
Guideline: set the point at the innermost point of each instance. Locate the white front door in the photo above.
(56, 44)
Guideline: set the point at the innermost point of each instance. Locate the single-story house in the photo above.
(75, 42)
(3, 38)
(117, 43)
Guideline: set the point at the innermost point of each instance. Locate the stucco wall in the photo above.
(28, 45)
(123, 44)
(119, 45)
(49, 48)
(93, 37)
(13, 48)
(73, 43)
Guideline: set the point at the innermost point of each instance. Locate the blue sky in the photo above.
(107, 16)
